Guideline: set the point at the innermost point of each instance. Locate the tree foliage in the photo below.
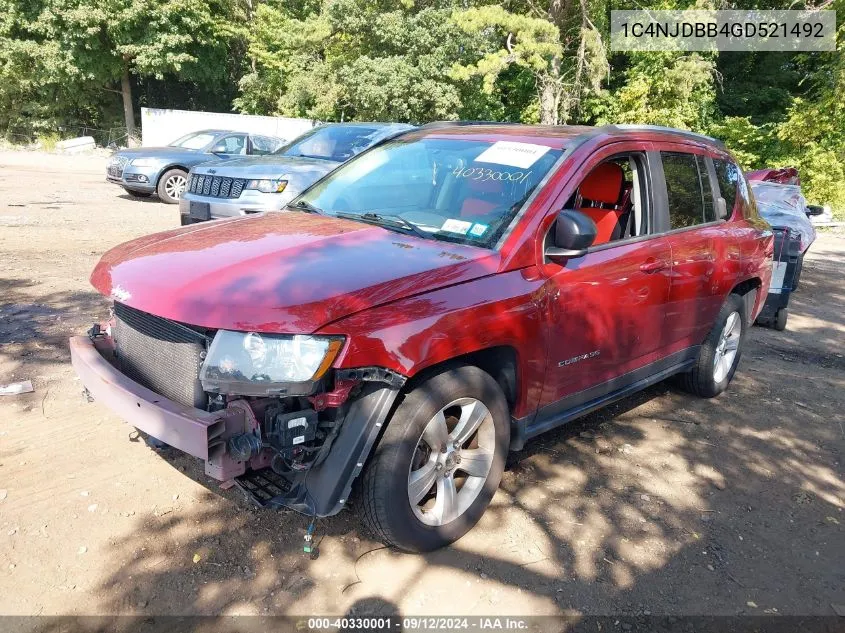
(79, 62)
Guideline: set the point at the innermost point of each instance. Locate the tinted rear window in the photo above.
(689, 193)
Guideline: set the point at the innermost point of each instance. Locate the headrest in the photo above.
(603, 184)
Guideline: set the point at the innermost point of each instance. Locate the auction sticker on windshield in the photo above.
(456, 226)
(512, 153)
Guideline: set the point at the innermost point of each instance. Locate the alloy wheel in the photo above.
(452, 461)
(727, 347)
(175, 185)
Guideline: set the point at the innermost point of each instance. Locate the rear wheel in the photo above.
(171, 185)
(780, 319)
(719, 355)
(440, 461)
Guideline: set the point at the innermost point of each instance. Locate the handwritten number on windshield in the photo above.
(485, 173)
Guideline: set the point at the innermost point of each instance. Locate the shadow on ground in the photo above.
(34, 326)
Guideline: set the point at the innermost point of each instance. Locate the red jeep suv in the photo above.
(433, 303)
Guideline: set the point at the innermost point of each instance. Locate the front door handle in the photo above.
(653, 265)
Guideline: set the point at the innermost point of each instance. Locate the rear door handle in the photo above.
(653, 265)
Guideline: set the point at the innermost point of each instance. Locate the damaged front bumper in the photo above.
(322, 489)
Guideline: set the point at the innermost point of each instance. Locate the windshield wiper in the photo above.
(386, 221)
(306, 206)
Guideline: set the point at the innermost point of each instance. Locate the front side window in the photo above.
(194, 140)
(458, 190)
(688, 189)
(235, 144)
(613, 196)
(336, 143)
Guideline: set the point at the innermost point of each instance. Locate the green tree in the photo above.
(559, 46)
(353, 59)
(104, 42)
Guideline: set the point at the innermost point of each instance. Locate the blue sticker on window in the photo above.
(478, 230)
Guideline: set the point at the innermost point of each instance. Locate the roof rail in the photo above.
(662, 128)
(465, 123)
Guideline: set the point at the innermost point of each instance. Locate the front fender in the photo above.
(415, 333)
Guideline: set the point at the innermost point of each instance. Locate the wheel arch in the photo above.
(749, 290)
(166, 169)
(501, 362)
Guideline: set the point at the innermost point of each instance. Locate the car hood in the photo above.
(282, 272)
(267, 167)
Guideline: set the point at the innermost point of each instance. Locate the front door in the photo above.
(607, 309)
(606, 319)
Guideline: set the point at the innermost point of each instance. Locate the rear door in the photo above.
(705, 257)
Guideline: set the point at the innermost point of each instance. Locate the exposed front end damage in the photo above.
(297, 450)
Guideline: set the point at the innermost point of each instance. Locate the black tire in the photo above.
(138, 194)
(166, 182)
(701, 380)
(387, 509)
(779, 322)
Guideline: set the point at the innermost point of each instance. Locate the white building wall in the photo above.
(161, 126)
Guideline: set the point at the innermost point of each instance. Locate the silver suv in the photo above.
(268, 183)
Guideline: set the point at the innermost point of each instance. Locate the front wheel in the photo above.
(171, 185)
(439, 462)
(719, 354)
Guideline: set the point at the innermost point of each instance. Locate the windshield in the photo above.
(338, 143)
(195, 140)
(463, 191)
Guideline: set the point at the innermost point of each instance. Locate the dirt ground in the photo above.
(661, 504)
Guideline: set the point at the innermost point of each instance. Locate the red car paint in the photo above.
(406, 303)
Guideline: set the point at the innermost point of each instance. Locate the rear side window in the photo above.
(264, 145)
(728, 175)
(688, 188)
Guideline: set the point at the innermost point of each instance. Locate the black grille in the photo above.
(216, 186)
(161, 355)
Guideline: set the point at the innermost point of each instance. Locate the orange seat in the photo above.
(602, 186)
(483, 196)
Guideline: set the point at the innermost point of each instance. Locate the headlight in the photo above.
(267, 186)
(143, 162)
(248, 363)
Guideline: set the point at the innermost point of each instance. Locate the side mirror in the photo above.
(814, 209)
(572, 235)
(220, 148)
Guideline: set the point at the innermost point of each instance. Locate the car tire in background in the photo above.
(171, 185)
(796, 276)
(138, 194)
(439, 461)
(779, 322)
(719, 355)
